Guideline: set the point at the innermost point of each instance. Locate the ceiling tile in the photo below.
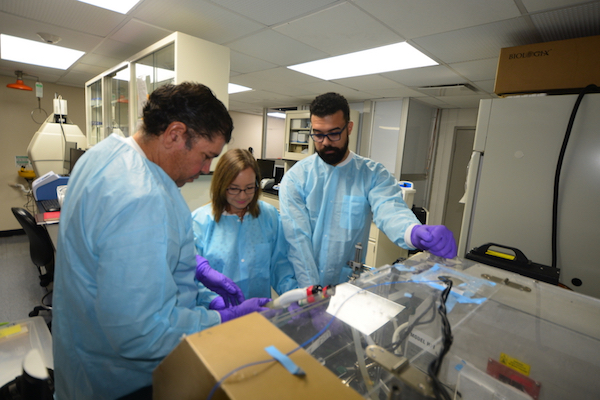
(119, 50)
(477, 70)
(27, 29)
(464, 101)
(100, 60)
(396, 92)
(140, 33)
(68, 14)
(575, 22)
(197, 18)
(427, 76)
(487, 86)
(243, 64)
(271, 12)
(368, 82)
(539, 5)
(413, 19)
(73, 77)
(334, 32)
(276, 48)
(478, 42)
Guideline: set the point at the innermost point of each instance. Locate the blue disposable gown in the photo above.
(252, 252)
(326, 210)
(124, 289)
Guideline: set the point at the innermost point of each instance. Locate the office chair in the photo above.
(41, 250)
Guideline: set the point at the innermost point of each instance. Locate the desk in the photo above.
(53, 232)
(51, 227)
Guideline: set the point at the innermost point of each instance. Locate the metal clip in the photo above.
(401, 369)
(506, 282)
(356, 265)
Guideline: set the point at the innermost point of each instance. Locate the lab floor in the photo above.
(20, 290)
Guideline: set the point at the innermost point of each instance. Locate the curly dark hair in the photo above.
(328, 104)
(193, 104)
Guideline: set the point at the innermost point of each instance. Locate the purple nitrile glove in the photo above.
(436, 238)
(218, 283)
(217, 304)
(247, 307)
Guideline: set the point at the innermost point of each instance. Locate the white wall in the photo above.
(451, 118)
(275, 137)
(247, 132)
(197, 193)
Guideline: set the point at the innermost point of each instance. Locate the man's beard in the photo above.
(333, 158)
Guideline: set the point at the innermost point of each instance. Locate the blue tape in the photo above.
(284, 360)
(470, 285)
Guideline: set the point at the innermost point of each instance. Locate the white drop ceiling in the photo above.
(266, 36)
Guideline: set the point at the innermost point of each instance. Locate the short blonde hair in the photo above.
(228, 168)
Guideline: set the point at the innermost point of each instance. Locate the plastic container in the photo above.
(17, 339)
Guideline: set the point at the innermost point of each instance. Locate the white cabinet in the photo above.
(298, 144)
(115, 98)
(381, 250)
(107, 104)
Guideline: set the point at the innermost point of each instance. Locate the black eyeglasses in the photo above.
(332, 136)
(235, 191)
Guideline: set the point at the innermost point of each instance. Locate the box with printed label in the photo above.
(564, 66)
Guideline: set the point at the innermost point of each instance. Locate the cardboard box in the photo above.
(191, 370)
(564, 66)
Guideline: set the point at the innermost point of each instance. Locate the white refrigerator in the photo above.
(510, 184)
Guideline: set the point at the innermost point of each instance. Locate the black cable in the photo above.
(559, 164)
(434, 367)
(409, 328)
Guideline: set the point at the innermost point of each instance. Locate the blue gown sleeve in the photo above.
(201, 220)
(296, 227)
(137, 299)
(390, 212)
(282, 271)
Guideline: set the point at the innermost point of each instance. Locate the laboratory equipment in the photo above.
(49, 149)
(512, 337)
(302, 296)
(511, 184)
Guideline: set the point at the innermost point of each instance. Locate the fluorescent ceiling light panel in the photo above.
(276, 115)
(388, 58)
(233, 88)
(37, 53)
(120, 6)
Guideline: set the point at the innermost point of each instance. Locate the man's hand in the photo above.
(436, 238)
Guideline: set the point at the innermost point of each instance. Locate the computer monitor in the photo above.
(75, 154)
(267, 168)
(279, 169)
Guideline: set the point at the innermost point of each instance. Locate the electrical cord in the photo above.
(559, 164)
(434, 367)
(395, 344)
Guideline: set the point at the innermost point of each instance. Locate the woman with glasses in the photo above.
(238, 234)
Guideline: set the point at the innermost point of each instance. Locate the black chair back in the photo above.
(41, 248)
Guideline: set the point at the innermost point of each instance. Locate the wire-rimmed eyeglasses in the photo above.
(332, 136)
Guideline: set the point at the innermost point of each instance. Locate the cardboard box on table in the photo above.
(191, 370)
